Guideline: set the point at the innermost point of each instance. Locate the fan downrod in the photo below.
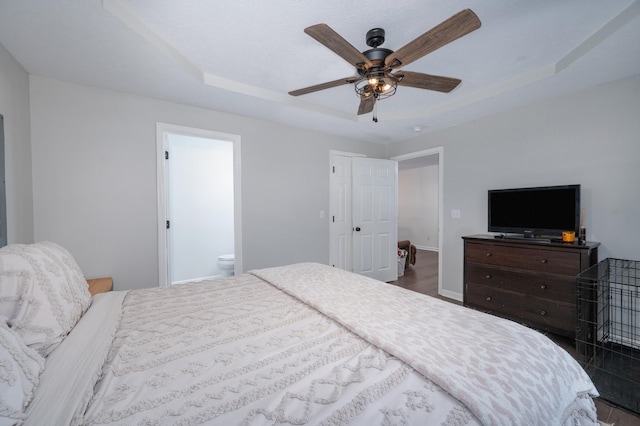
(375, 37)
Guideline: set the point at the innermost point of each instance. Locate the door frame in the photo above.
(425, 153)
(162, 130)
(4, 237)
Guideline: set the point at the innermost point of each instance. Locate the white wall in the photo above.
(94, 172)
(94, 180)
(590, 138)
(14, 106)
(418, 206)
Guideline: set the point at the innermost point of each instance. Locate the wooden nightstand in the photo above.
(100, 285)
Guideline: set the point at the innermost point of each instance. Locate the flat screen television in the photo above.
(535, 212)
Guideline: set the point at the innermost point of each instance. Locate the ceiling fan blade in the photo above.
(323, 86)
(334, 41)
(427, 81)
(366, 105)
(460, 24)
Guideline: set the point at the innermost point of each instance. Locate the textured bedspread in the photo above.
(504, 373)
(241, 352)
(254, 350)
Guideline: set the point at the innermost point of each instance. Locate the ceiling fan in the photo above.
(375, 80)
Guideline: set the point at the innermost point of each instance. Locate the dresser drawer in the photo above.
(531, 282)
(541, 313)
(558, 262)
(539, 284)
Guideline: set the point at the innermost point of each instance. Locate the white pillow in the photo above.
(20, 368)
(42, 293)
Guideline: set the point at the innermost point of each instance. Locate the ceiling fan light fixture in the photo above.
(374, 80)
(380, 85)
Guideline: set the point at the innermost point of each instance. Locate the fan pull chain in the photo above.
(375, 111)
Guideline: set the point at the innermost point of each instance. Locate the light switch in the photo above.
(321, 214)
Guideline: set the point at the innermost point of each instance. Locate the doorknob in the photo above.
(357, 229)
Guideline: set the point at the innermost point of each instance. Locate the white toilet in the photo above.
(226, 264)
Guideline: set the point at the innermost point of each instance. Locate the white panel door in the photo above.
(340, 229)
(375, 228)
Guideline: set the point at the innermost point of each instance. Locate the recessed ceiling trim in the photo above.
(617, 22)
(125, 15)
(548, 71)
(477, 96)
(269, 95)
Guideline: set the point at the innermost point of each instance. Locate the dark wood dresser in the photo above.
(531, 282)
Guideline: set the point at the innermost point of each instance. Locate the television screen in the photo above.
(544, 211)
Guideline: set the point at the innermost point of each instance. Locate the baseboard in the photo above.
(193, 280)
(451, 295)
(427, 248)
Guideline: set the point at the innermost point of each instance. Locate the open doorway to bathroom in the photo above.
(198, 187)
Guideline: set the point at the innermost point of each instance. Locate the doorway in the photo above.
(198, 203)
(433, 156)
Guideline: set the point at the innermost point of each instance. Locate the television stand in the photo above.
(529, 281)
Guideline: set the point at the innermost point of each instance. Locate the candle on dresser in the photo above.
(582, 234)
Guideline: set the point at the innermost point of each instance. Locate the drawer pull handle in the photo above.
(487, 276)
(543, 286)
(488, 254)
(488, 298)
(543, 260)
(543, 312)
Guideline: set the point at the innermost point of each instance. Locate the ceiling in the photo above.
(244, 57)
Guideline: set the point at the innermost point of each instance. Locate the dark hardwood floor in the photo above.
(423, 278)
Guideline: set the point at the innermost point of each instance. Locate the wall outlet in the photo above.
(455, 214)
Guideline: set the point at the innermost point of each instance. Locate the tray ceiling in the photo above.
(243, 57)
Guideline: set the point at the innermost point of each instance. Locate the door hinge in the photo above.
(334, 169)
(168, 224)
(333, 218)
(166, 155)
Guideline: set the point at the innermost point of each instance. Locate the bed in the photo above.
(303, 344)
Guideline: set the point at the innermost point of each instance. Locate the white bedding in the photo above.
(241, 351)
(66, 385)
